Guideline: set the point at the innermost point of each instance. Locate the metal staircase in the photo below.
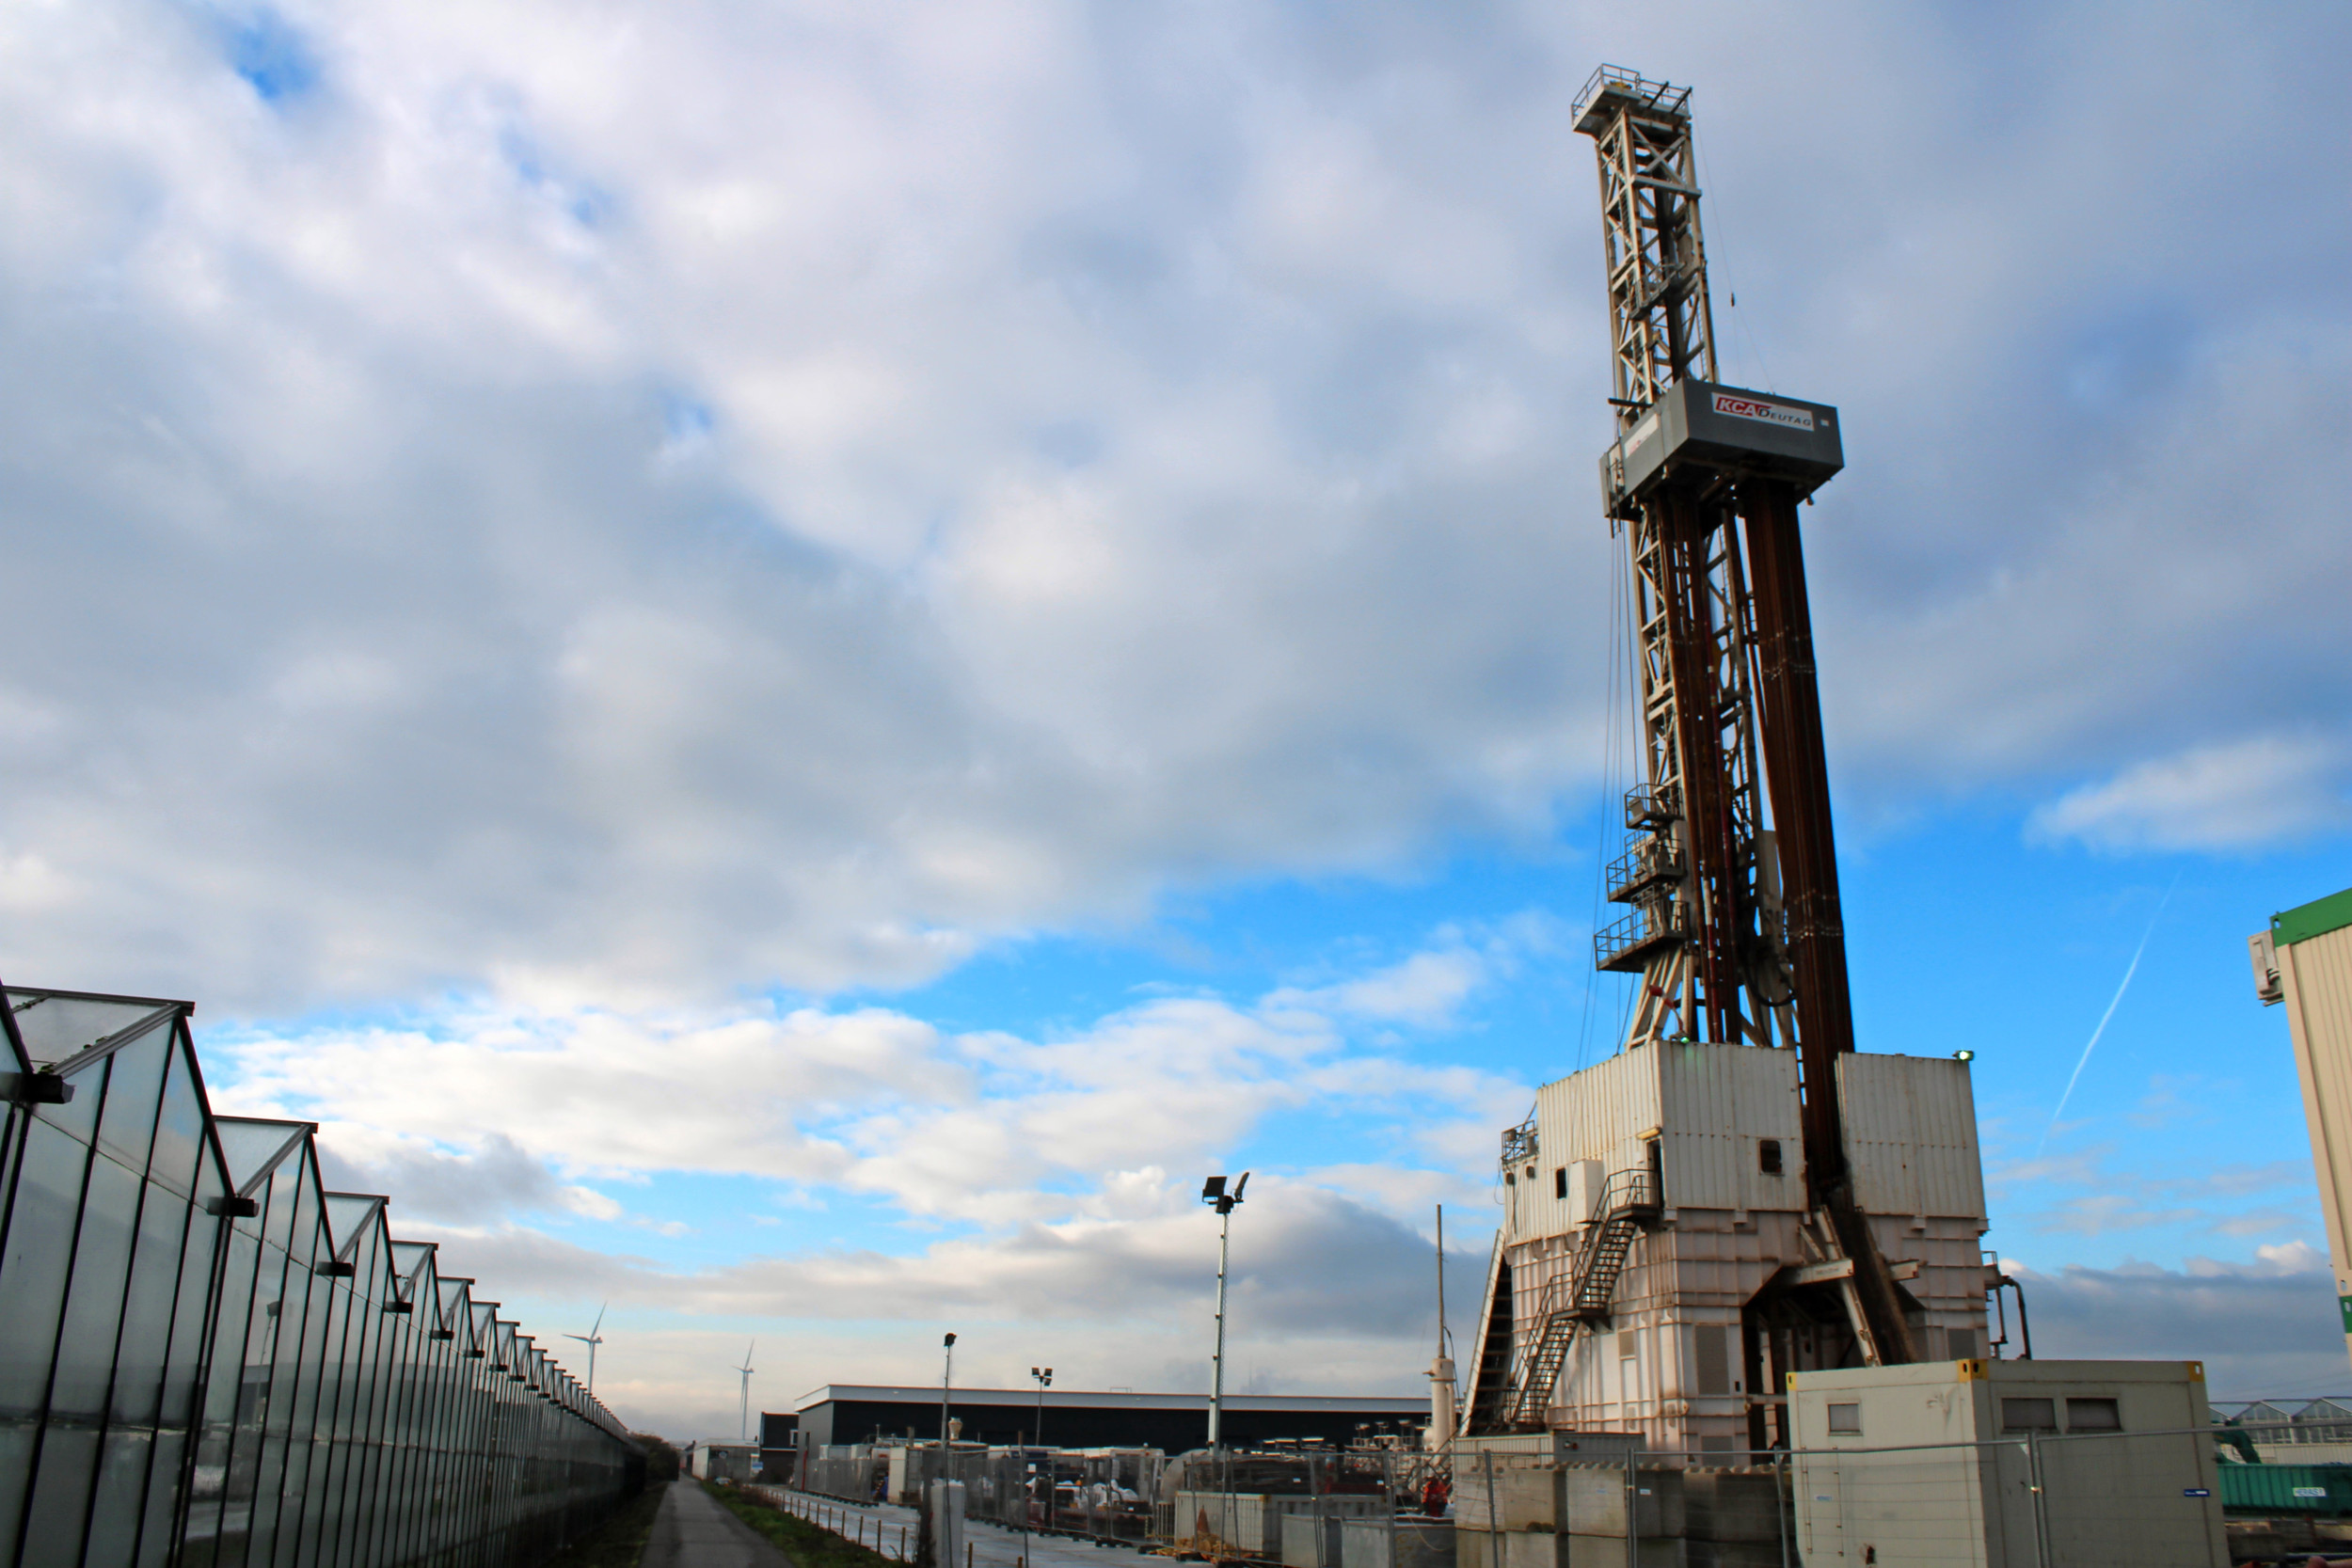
(1581, 1295)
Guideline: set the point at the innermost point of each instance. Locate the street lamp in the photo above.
(1213, 1191)
(1044, 1376)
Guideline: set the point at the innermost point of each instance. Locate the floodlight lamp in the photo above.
(1212, 1189)
(1963, 1056)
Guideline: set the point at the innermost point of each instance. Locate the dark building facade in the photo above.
(778, 1438)
(1074, 1419)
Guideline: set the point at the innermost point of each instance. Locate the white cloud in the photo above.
(989, 1129)
(2237, 795)
(801, 494)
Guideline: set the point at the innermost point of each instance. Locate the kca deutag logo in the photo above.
(1756, 408)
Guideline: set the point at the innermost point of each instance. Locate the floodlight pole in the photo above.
(946, 1378)
(1213, 1191)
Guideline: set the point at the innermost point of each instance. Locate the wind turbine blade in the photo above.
(599, 1323)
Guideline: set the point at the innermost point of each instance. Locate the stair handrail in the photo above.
(1629, 1195)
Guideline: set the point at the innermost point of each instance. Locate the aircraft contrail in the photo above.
(2131, 970)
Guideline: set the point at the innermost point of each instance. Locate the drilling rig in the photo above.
(1736, 1194)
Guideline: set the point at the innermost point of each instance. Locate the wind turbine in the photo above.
(746, 1369)
(592, 1340)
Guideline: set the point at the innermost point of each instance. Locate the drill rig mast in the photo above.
(1730, 878)
(1735, 928)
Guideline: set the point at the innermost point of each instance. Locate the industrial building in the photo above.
(206, 1358)
(839, 1414)
(1738, 1193)
(2303, 960)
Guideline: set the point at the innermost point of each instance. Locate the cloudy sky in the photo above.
(791, 660)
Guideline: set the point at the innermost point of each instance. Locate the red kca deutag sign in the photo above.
(1756, 408)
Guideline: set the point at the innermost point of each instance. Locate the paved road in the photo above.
(992, 1546)
(691, 1531)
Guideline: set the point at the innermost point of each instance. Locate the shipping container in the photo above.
(2263, 1489)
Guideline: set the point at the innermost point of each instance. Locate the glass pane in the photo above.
(53, 1526)
(2029, 1415)
(296, 1381)
(148, 1306)
(185, 1357)
(56, 1028)
(322, 1500)
(262, 1413)
(216, 1512)
(2093, 1414)
(163, 1498)
(114, 1517)
(16, 1469)
(134, 1081)
(249, 1147)
(101, 1263)
(33, 1267)
(180, 1125)
(79, 1119)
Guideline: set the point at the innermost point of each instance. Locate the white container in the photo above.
(1937, 1466)
(1381, 1543)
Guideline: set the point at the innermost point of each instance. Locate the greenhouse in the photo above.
(205, 1358)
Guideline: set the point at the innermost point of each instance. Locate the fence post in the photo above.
(1780, 1501)
(1494, 1520)
(1388, 1503)
(2040, 1513)
(1314, 1510)
(1633, 1513)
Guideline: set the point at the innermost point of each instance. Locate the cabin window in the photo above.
(2023, 1414)
(2093, 1415)
(1767, 1156)
(1845, 1420)
(1560, 1182)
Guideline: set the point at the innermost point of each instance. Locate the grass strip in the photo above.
(619, 1542)
(808, 1545)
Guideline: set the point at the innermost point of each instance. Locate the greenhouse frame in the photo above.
(208, 1360)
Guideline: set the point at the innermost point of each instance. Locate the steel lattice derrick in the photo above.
(1700, 750)
(1716, 932)
(1662, 323)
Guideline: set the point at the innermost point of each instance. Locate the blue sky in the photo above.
(790, 662)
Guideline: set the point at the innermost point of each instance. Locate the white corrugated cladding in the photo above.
(1712, 1106)
(2316, 975)
(1720, 1103)
(1910, 1135)
(1598, 1113)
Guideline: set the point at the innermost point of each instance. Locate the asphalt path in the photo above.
(991, 1545)
(693, 1531)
